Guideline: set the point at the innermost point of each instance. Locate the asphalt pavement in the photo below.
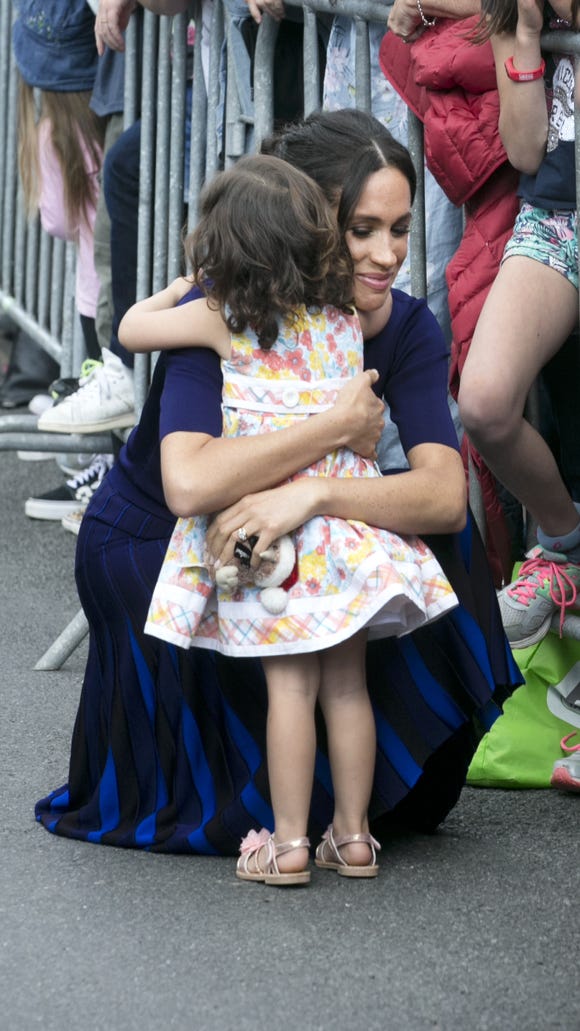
(473, 929)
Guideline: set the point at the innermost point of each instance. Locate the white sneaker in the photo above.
(39, 403)
(36, 456)
(105, 401)
(72, 521)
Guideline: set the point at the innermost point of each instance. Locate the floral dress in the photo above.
(347, 575)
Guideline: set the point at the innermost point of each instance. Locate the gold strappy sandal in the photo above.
(268, 873)
(329, 858)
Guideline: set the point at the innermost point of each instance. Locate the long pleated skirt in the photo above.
(168, 749)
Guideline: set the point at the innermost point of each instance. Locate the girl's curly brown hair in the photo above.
(267, 242)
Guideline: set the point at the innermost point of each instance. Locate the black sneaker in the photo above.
(61, 388)
(67, 385)
(74, 494)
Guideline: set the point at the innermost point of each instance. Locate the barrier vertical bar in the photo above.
(44, 276)
(10, 181)
(147, 151)
(418, 239)
(132, 90)
(19, 249)
(310, 62)
(263, 78)
(31, 272)
(235, 123)
(206, 97)
(57, 288)
(159, 155)
(175, 212)
(362, 65)
(5, 47)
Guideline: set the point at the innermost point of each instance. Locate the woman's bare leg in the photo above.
(529, 313)
(293, 684)
(351, 731)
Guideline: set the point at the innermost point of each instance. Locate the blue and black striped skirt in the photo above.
(168, 749)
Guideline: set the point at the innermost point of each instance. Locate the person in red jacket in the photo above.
(531, 309)
(450, 84)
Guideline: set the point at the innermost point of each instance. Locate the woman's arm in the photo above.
(430, 498)
(405, 18)
(275, 8)
(204, 474)
(113, 18)
(160, 322)
(523, 118)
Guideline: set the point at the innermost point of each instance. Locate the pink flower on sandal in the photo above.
(254, 841)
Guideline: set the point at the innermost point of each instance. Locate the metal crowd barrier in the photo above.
(36, 273)
(154, 42)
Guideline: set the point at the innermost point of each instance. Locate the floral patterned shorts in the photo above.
(546, 236)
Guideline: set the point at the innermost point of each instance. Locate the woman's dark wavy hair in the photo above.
(499, 16)
(340, 150)
(266, 243)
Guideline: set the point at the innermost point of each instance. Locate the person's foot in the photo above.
(351, 855)
(566, 772)
(72, 521)
(105, 400)
(64, 386)
(547, 582)
(71, 463)
(270, 862)
(74, 494)
(39, 403)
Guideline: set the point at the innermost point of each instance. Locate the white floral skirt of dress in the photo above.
(348, 576)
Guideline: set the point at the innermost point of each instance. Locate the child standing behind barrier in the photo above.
(532, 307)
(60, 138)
(278, 279)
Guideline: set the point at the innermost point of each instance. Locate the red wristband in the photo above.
(517, 76)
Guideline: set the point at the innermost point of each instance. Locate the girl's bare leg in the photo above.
(351, 730)
(529, 313)
(293, 683)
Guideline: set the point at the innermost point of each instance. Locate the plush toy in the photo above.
(275, 575)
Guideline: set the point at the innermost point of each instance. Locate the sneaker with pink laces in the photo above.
(547, 582)
(566, 772)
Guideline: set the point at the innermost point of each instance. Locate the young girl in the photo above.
(279, 285)
(532, 307)
(60, 138)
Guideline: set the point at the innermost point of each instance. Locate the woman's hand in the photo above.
(275, 8)
(361, 413)
(405, 21)
(111, 20)
(267, 515)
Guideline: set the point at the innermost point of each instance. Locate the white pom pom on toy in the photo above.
(277, 564)
(274, 599)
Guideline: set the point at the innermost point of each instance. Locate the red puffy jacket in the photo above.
(450, 84)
